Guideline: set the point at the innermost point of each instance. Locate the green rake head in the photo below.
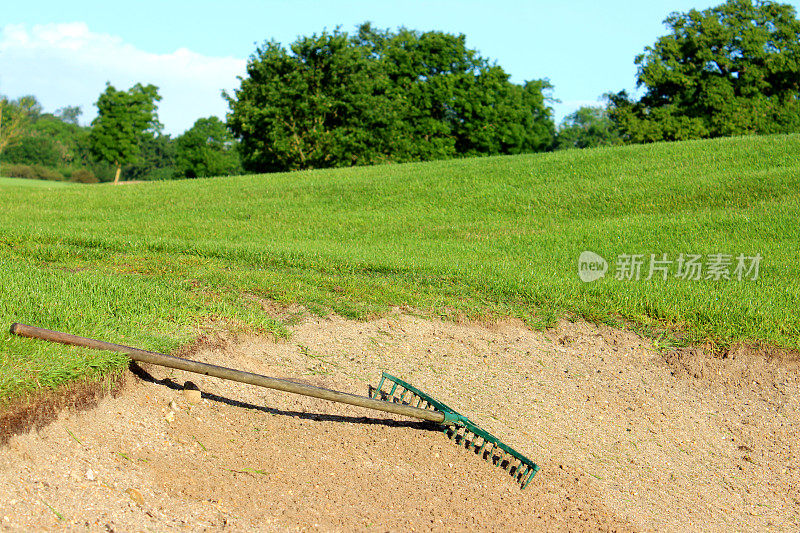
(459, 428)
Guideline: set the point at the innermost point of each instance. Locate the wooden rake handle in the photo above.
(222, 372)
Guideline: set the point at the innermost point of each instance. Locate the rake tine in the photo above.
(403, 396)
(483, 445)
(533, 473)
(491, 451)
(467, 438)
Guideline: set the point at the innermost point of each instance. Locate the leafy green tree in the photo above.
(208, 148)
(69, 114)
(311, 107)
(51, 144)
(124, 120)
(156, 159)
(528, 125)
(379, 96)
(728, 70)
(33, 150)
(587, 127)
(450, 101)
(15, 118)
(70, 140)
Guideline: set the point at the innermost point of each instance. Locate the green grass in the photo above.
(19, 182)
(154, 264)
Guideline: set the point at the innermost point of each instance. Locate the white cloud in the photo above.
(67, 64)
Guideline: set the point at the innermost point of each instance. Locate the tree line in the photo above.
(728, 70)
(125, 140)
(381, 96)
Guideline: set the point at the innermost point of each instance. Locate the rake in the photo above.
(392, 395)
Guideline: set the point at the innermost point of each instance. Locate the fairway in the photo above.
(156, 264)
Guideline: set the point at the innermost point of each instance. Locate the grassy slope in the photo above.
(151, 263)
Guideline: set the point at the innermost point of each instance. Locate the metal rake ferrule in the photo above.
(459, 428)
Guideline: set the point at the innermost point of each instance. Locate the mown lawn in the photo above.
(154, 264)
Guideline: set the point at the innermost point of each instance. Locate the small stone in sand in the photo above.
(191, 392)
(135, 496)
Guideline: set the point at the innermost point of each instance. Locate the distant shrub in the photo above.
(104, 172)
(20, 171)
(45, 173)
(33, 172)
(84, 175)
(159, 174)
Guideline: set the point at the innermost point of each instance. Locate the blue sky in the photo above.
(64, 52)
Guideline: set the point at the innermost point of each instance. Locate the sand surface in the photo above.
(628, 438)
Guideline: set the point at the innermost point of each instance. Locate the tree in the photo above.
(450, 101)
(728, 70)
(156, 159)
(379, 96)
(33, 150)
(15, 118)
(587, 127)
(69, 114)
(313, 107)
(30, 137)
(70, 140)
(208, 148)
(124, 120)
